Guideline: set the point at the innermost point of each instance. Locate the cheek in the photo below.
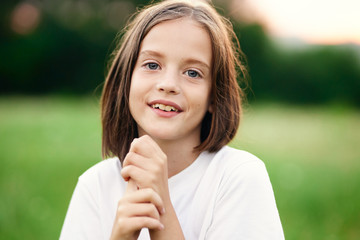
(133, 96)
(135, 88)
(139, 83)
(203, 103)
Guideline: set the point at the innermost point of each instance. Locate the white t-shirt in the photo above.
(222, 195)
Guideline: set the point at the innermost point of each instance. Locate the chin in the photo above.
(163, 136)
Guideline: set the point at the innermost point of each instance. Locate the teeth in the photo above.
(164, 107)
(168, 108)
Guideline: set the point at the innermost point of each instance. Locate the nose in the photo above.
(169, 83)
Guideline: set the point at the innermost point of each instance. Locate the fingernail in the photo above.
(161, 227)
(163, 211)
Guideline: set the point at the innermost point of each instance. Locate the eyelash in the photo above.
(187, 72)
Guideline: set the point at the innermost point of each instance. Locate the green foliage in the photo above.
(311, 154)
(302, 74)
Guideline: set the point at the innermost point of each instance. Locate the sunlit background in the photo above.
(302, 116)
(310, 21)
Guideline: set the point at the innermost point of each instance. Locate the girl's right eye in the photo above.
(152, 66)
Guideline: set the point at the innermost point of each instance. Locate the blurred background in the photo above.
(302, 117)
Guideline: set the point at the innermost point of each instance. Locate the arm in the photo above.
(146, 165)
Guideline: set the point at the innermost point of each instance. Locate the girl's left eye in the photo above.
(192, 73)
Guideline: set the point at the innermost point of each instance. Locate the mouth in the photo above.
(164, 107)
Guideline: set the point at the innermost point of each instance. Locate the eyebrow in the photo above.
(198, 62)
(152, 53)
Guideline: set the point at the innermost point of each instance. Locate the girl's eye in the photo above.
(152, 66)
(192, 73)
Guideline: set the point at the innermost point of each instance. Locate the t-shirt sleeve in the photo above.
(82, 220)
(245, 206)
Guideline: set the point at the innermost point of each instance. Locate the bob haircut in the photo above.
(219, 127)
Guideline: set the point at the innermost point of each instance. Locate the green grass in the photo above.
(312, 155)
(45, 144)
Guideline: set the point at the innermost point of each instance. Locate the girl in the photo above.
(170, 104)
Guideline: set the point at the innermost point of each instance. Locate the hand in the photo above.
(136, 210)
(146, 164)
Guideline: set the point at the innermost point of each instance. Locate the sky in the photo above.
(312, 21)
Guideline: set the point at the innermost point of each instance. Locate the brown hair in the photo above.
(220, 126)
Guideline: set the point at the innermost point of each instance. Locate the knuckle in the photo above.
(149, 193)
(145, 221)
(154, 212)
(162, 160)
(121, 222)
(120, 203)
(129, 169)
(163, 156)
(123, 204)
(121, 209)
(158, 168)
(153, 178)
(126, 171)
(129, 157)
(134, 143)
(146, 137)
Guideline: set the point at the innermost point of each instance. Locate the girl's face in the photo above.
(171, 81)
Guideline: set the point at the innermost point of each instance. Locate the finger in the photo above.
(136, 159)
(139, 210)
(146, 195)
(133, 172)
(146, 146)
(138, 223)
(144, 156)
(129, 228)
(148, 164)
(150, 142)
(144, 178)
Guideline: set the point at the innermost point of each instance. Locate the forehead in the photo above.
(183, 36)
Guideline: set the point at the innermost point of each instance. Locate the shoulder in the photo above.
(242, 177)
(233, 158)
(242, 202)
(238, 166)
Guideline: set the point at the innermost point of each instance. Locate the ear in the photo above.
(211, 108)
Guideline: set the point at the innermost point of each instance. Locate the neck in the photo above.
(180, 155)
